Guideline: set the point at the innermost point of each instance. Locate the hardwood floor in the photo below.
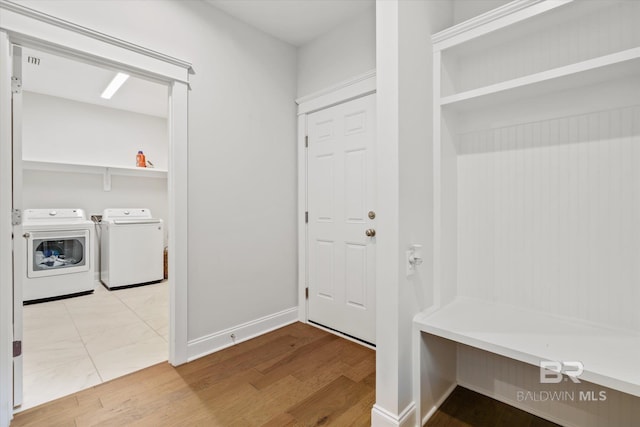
(465, 408)
(294, 376)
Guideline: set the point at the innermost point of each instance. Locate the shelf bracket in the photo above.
(107, 179)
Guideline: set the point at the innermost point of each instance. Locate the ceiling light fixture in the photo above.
(115, 84)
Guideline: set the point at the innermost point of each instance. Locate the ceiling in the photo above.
(296, 22)
(71, 79)
(293, 21)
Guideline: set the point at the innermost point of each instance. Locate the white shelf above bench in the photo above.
(105, 170)
(609, 356)
(606, 68)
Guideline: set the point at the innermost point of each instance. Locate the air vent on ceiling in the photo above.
(33, 60)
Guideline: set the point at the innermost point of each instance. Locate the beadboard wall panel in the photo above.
(518, 384)
(548, 216)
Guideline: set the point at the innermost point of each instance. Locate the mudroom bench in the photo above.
(609, 356)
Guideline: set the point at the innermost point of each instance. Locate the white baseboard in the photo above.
(438, 404)
(380, 417)
(211, 343)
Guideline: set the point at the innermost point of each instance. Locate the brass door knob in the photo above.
(370, 232)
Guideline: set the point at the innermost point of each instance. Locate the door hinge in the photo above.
(306, 217)
(17, 348)
(306, 141)
(16, 217)
(306, 292)
(16, 85)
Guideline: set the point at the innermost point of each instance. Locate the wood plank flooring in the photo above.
(466, 408)
(294, 376)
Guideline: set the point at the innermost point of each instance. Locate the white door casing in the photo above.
(340, 194)
(6, 243)
(18, 240)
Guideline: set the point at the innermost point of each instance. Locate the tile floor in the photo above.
(76, 343)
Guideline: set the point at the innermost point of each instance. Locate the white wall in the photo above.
(344, 52)
(242, 155)
(418, 22)
(405, 179)
(61, 130)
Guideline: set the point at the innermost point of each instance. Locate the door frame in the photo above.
(18, 262)
(30, 28)
(6, 244)
(356, 87)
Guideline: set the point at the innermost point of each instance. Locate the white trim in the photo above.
(6, 267)
(358, 86)
(439, 403)
(380, 417)
(64, 38)
(203, 346)
(302, 224)
(482, 19)
(337, 87)
(500, 17)
(178, 191)
(17, 102)
(437, 181)
(96, 35)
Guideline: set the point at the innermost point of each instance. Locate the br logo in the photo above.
(551, 371)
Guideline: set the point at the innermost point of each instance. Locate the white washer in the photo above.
(58, 254)
(131, 248)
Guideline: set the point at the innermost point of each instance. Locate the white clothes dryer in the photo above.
(58, 254)
(131, 248)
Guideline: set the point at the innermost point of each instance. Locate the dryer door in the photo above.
(52, 253)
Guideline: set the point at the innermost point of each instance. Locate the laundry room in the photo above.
(94, 188)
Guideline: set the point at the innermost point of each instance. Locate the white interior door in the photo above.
(341, 204)
(19, 249)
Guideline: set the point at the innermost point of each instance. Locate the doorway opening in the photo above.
(76, 151)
